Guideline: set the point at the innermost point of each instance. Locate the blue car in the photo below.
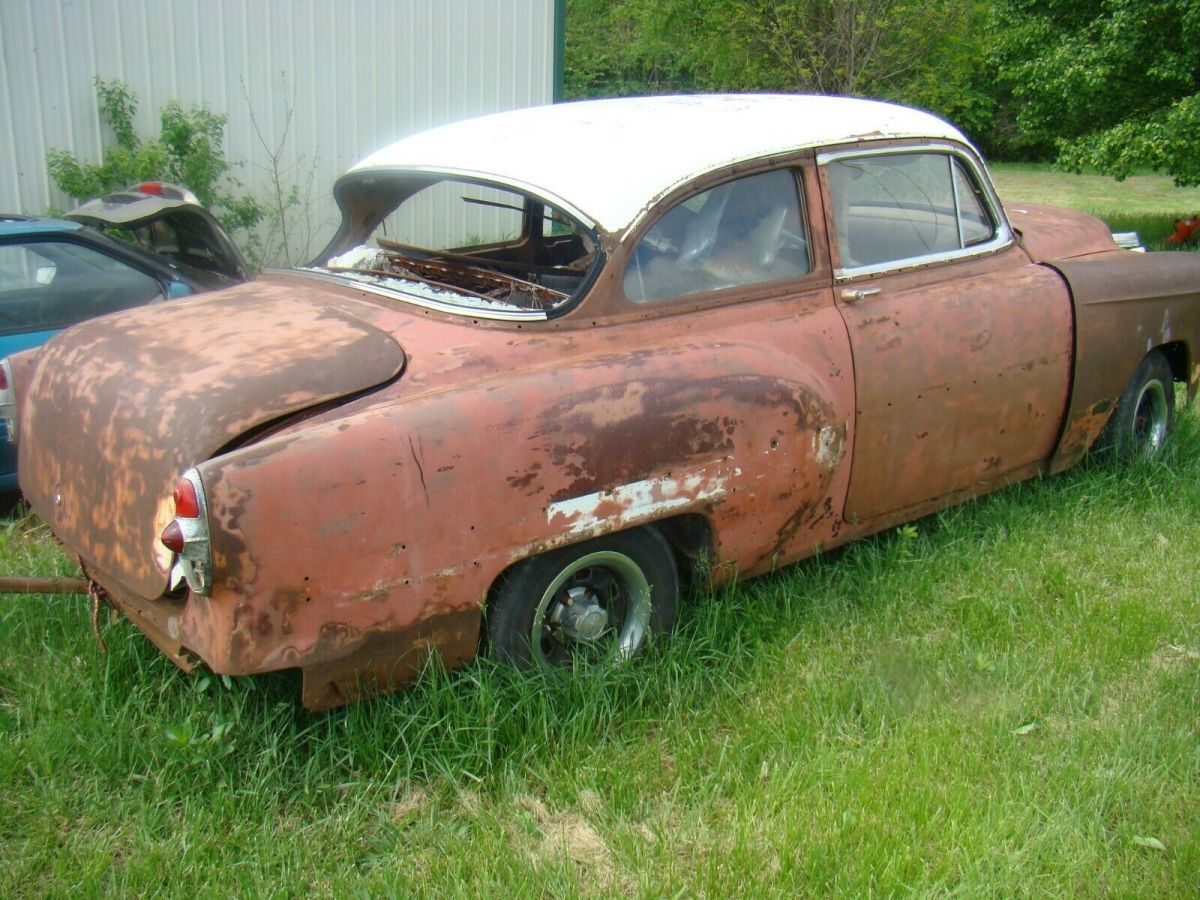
(56, 272)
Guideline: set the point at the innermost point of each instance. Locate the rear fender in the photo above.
(328, 536)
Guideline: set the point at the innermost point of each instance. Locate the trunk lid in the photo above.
(119, 407)
(171, 223)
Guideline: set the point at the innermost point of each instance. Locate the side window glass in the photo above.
(742, 232)
(894, 207)
(46, 285)
(977, 225)
(20, 267)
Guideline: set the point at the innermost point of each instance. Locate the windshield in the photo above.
(458, 244)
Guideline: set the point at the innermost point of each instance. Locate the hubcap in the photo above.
(598, 604)
(583, 620)
(1150, 418)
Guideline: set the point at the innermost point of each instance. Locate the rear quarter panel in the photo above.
(410, 510)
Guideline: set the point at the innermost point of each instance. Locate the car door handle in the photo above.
(853, 295)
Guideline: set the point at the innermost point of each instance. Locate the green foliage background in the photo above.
(1109, 85)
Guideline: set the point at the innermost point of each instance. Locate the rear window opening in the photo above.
(459, 244)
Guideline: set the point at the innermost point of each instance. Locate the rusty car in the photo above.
(557, 361)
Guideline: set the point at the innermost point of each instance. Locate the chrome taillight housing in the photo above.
(187, 536)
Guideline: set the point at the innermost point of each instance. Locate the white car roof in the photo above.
(608, 160)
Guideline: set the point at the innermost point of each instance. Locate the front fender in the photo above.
(1126, 304)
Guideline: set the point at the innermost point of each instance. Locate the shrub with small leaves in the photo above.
(189, 151)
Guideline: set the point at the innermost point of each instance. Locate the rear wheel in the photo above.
(1145, 413)
(589, 602)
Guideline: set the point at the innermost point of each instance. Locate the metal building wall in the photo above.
(357, 74)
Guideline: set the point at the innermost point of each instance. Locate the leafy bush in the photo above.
(189, 151)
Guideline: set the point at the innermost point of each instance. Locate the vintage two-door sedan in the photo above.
(554, 357)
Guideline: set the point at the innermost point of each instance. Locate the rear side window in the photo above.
(460, 246)
(739, 233)
(45, 285)
(456, 215)
(903, 206)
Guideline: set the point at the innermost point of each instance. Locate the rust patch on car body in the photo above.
(140, 415)
(969, 380)
(363, 499)
(364, 665)
(1126, 304)
(1051, 232)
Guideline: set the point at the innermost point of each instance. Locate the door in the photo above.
(962, 347)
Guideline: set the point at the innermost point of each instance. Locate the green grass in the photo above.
(1148, 204)
(1000, 700)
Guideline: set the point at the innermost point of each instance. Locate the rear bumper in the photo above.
(341, 666)
(158, 619)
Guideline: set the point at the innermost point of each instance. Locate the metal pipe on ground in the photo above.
(43, 586)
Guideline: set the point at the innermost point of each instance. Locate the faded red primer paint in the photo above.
(1050, 232)
(139, 416)
(1126, 304)
(356, 539)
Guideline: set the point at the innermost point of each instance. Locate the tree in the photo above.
(835, 46)
(930, 53)
(618, 48)
(1109, 84)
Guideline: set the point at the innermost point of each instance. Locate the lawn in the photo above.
(1002, 699)
(1148, 204)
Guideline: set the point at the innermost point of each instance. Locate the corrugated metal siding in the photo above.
(357, 74)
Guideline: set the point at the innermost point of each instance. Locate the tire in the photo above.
(1145, 413)
(584, 603)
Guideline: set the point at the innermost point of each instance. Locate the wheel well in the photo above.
(1176, 353)
(691, 537)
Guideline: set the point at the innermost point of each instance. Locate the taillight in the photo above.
(166, 190)
(187, 505)
(187, 536)
(172, 537)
